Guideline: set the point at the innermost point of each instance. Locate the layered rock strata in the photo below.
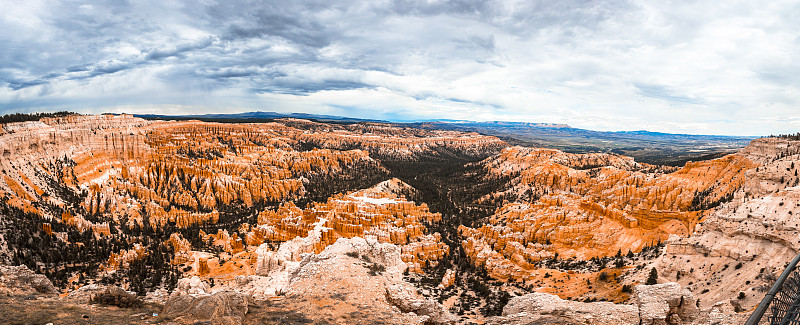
(662, 304)
(736, 253)
(592, 205)
(94, 172)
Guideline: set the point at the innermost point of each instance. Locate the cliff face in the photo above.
(746, 243)
(592, 205)
(666, 303)
(223, 200)
(37, 155)
(370, 212)
(730, 220)
(119, 174)
(395, 142)
(182, 172)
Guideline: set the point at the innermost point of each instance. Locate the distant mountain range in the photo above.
(256, 117)
(645, 146)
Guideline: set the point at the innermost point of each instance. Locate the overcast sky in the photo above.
(703, 67)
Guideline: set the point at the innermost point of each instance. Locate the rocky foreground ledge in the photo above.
(354, 280)
(339, 285)
(659, 304)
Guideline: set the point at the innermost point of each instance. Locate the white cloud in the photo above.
(696, 67)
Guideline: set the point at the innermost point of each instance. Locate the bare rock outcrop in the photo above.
(85, 294)
(374, 212)
(544, 308)
(432, 312)
(660, 304)
(584, 206)
(191, 286)
(448, 279)
(666, 303)
(225, 307)
(276, 271)
(349, 276)
(19, 280)
(746, 242)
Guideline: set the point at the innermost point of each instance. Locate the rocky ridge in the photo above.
(593, 205)
(744, 243)
(346, 277)
(747, 242)
(19, 280)
(666, 303)
(165, 175)
(275, 211)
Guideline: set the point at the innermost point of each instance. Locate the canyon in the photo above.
(387, 222)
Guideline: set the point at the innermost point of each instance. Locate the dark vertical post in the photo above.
(762, 307)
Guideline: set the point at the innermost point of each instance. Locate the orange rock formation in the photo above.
(91, 171)
(370, 212)
(593, 205)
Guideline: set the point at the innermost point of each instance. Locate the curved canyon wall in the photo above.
(592, 205)
(95, 172)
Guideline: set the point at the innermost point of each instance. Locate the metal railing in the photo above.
(785, 294)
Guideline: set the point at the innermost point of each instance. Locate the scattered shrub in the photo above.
(375, 269)
(116, 297)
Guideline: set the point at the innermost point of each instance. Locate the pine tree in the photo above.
(653, 277)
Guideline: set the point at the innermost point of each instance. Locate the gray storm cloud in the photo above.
(698, 67)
